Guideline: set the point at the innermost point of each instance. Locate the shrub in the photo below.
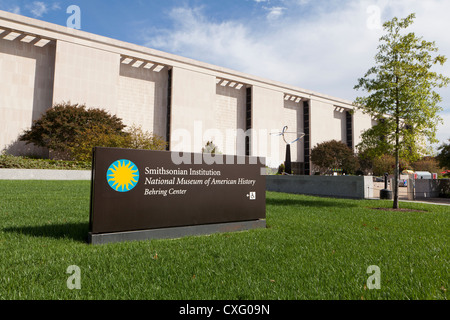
(386, 164)
(61, 126)
(281, 169)
(98, 136)
(140, 139)
(334, 155)
(95, 136)
(444, 155)
(445, 190)
(365, 163)
(429, 164)
(211, 148)
(13, 162)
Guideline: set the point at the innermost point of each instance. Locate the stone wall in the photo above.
(352, 187)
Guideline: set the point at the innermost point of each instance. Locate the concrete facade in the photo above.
(186, 101)
(350, 187)
(430, 188)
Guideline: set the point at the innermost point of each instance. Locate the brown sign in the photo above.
(136, 190)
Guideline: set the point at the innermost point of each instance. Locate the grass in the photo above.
(313, 248)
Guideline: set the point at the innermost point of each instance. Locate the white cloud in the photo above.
(10, 6)
(56, 6)
(37, 8)
(274, 12)
(196, 37)
(317, 54)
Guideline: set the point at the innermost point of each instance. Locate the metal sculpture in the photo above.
(288, 162)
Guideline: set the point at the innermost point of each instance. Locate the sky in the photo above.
(319, 45)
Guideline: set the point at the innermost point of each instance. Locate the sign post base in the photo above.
(175, 232)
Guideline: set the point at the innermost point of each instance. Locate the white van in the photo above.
(423, 175)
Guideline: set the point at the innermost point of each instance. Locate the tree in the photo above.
(365, 163)
(334, 155)
(444, 155)
(430, 164)
(74, 130)
(59, 127)
(401, 95)
(386, 164)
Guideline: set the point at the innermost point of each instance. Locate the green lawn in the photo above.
(313, 248)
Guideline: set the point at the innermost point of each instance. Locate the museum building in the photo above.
(185, 101)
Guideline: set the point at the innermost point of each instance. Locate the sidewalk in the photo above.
(437, 201)
(30, 174)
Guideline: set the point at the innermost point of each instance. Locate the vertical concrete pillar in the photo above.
(193, 99)
(267, 118)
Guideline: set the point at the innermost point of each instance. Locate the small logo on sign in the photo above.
(251, 196)
(123, 176)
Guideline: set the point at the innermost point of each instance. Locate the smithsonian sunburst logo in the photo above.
(123, 175)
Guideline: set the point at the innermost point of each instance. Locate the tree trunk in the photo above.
(397, 161)
(397, 141)
(396, 176)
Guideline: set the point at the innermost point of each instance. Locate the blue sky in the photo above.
(321, 45)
